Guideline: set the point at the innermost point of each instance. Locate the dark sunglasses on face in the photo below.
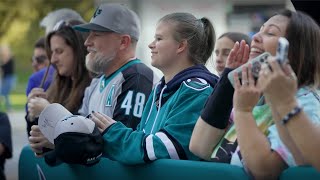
(39, 59)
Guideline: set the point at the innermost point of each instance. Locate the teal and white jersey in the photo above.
(167, 121)
(122, 95)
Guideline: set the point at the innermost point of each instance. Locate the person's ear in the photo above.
(183, 45)
(125, 42)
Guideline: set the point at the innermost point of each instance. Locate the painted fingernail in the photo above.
(88, 116)
(92, 111)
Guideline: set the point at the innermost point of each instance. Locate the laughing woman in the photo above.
(258, 140)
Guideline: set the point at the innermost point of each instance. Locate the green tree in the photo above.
(19, 28)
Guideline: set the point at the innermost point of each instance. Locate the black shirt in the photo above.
(8, 68)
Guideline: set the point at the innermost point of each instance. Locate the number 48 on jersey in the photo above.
(136, 104)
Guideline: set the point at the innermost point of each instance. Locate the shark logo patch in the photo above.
(97, 12)
(109, 97)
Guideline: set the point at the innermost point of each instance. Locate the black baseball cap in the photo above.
(76, 148)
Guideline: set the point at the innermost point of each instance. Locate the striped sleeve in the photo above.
(172, 146)
(172, 141)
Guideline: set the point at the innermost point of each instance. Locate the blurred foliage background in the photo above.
(19, 29)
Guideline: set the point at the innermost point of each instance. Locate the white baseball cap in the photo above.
(55, 16)
(55, 120)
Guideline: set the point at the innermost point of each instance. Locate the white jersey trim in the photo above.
(168, 144)
(149, 147)
(200, 89)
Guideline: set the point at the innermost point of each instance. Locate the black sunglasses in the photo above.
(39, 59)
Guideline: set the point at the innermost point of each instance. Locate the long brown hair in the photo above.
(303, 34)
(69, 91)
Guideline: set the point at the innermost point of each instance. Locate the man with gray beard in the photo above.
(125, 82)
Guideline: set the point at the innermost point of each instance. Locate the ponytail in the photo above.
(209, 38)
